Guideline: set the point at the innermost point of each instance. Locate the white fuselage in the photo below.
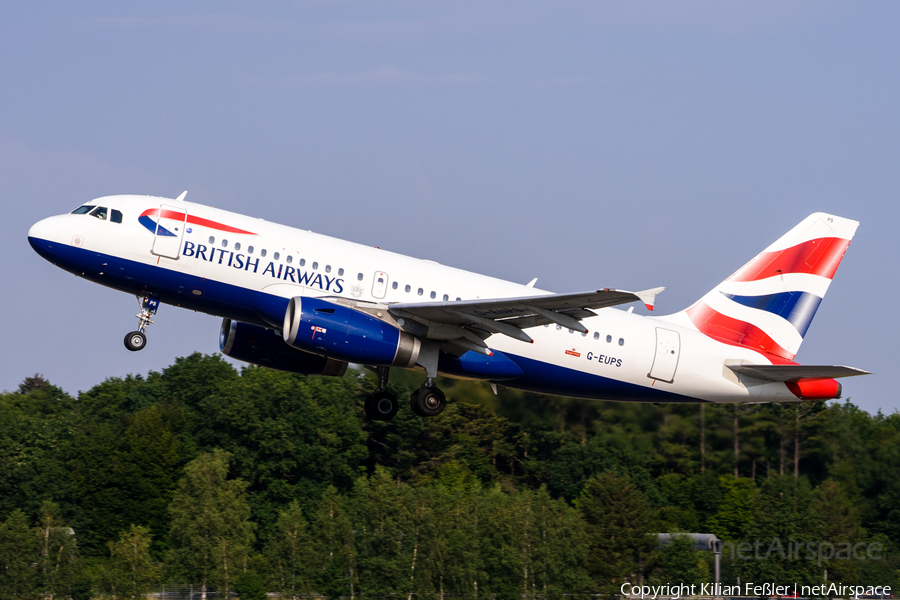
(222, 271)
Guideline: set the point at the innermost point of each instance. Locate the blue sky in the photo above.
(589, 144)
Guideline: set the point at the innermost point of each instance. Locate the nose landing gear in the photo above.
(136, 340)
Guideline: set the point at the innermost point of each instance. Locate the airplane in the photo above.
(307, 303)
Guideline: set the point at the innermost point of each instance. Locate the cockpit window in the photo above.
(99, 212)
(116, 216)
(83, 209)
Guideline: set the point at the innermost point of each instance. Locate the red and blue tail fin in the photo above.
(768, 304)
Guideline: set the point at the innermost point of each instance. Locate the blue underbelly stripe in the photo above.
(258, 308)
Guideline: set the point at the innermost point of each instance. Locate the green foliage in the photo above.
(617, 516)
(288, 552)
(250, 586)
(504, 496)
(211, 528)
(678, 561)
(18, 550)
(131, 570)
(734, 519)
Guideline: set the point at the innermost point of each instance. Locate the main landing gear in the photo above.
(136, 340)
(428, 401)
(381, 405)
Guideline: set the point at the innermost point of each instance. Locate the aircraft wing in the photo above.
(510, 315)
(792, 373)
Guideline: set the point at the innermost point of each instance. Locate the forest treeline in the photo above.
(258, 480)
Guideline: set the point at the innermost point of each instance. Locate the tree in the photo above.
(288, 550)
(57, 565)
(617, 517)
(250, 586)
(736, 511)
(678, 560)
(211, 529)
(18, 551)
(131, 571)
(333, 545)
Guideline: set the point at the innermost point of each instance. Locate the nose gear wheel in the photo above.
(137, 340)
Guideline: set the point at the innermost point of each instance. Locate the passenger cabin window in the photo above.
(407, 289)
(621, 341)
(596, 335)
(328, 268)
(276, 256)
(302, 261)
(224, 243)
(249, 249)
(237, 246)
(116, 216)
(609, 339)
(83, 210)
(315, 266)
(262, 252)
(421, 291)
(341, 274)
(99, 212)
(446, 297)
(359, 276)
(395, 285)
(212, 240)
(290, 259)
(433, 295)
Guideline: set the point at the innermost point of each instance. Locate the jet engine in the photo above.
(344, 333)
(266, 348)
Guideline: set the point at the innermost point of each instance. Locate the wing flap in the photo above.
(510, 315)
(510, 308)
(794, 373)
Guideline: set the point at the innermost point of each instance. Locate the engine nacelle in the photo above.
(344, 333)
(266, 348)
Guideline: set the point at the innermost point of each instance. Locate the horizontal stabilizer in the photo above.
(793, 373)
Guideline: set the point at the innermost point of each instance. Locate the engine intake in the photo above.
(266, 348)
(344, 333)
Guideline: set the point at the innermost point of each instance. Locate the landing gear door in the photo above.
(379, 284)
(668, 349)
(170, 225)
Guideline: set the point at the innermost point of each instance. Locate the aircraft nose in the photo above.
(45, 229)
(42, 237)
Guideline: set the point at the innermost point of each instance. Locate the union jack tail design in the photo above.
(768, 304)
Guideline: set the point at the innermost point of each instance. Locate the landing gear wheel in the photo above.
(428, 402)
(381, 406)
(135, 341)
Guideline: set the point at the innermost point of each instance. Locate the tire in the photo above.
(381, 406)
(428, 402)
(135, 341)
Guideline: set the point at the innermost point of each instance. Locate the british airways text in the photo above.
(276, 270)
